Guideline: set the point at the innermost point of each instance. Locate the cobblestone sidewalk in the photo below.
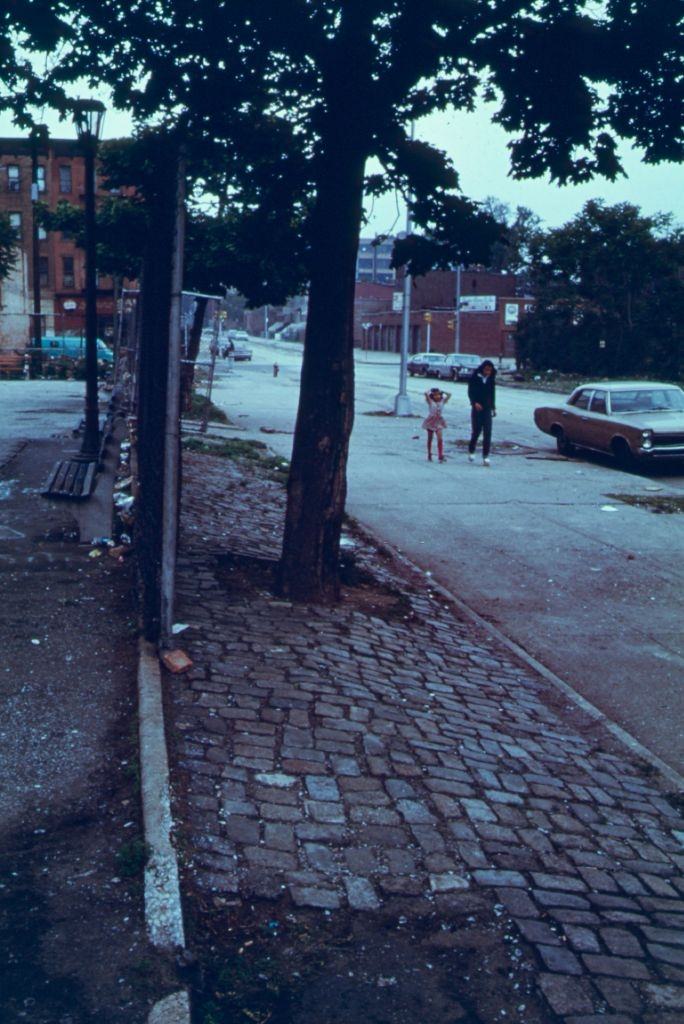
(342, 758)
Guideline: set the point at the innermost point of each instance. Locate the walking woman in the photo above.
(434, 422)
(482, 397)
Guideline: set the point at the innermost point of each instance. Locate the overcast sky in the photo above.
(478, 149)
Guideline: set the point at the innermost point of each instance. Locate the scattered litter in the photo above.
(102, 542)
(124, 501)
(125, 538)
(608, 508)
(179, 627)
(176, 661)
(386, 982)
(36, 642)
(95, 553)
(120, 552)
(652, 487)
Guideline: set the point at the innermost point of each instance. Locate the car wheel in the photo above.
(564, 446)
(454, 374)
(623, 453)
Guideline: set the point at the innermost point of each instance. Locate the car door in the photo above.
(597, 427)
(575, 417)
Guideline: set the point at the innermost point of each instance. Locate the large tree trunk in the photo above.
(317, 486)
(188, 366)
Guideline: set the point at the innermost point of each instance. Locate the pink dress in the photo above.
(434, 419)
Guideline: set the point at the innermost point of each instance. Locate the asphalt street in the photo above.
(541, 547)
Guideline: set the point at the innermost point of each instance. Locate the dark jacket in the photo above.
(483, 390)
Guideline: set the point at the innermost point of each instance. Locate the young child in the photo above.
(434, 422)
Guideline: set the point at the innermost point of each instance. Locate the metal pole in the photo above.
(91, 435)
(402, 402)
(427, 340)
(172, 424)
(457, 335)
(36, 361)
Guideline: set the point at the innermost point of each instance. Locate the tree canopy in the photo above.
(609, 294)
(299, 94)
(8, 246)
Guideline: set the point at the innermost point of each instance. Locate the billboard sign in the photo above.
(397, 302)
(478, 303)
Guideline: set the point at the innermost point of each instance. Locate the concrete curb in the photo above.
(620, 734)
(163, 911)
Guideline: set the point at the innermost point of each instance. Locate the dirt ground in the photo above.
(72, 937)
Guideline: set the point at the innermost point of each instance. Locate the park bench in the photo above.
(71, 478)
(11, 363)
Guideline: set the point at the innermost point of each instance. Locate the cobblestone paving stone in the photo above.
(343, 758)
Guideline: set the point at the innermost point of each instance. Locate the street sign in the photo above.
(397, 302)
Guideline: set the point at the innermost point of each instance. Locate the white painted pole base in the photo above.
(402, 405)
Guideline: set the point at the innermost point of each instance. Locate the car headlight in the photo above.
(646, 438)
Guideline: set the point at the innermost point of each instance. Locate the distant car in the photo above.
(636, 421)
(237, 335)
(236, 350)
(424, 364)
(467, 362)
(450, 368)
(70, 346)
(241, 352)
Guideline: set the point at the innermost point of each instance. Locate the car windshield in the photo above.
(647, 400)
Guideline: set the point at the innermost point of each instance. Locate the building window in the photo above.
(44, 272)
(65, 178)
(13, 180)
(40, 178)
(15, 222)
(67, 271)
(42, 234)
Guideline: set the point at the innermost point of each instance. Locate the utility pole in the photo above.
(402, 402)
(172, 424)
(39, 136)
(457, 333)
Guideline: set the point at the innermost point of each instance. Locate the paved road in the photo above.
(533, 543)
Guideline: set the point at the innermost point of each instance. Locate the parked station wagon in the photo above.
(632, 420)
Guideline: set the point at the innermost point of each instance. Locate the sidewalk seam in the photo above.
(620, 734)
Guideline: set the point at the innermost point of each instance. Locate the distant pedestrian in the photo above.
(434, 422)
(482, 396)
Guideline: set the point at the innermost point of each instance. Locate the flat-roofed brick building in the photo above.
(61, 176)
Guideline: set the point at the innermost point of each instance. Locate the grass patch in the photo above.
(254, 453)
(131, 858)
(660, 504)
(198, 406)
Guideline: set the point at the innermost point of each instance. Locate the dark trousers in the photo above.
(481, 423)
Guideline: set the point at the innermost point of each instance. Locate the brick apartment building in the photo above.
(489, 314)
(60, 175)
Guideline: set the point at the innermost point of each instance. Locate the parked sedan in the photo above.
(632, 420)
(467, 363)
(449, 369)
(425, 364)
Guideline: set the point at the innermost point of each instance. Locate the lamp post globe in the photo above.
(88, 117)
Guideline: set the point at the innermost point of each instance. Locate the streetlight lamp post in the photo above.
(39, 136)
(88, 118)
